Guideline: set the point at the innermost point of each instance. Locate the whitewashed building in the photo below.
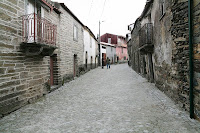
(90, 56)
(107, 50)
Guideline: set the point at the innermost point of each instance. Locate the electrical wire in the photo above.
(103, 9)
(90, 8)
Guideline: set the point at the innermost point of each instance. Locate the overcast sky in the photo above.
(116, 14)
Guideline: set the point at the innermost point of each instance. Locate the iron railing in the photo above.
(146, 35)
(36, 29)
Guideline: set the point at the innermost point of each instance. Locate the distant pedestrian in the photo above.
(108, 63)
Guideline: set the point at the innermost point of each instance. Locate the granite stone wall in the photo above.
(23, 79)
(68, 47)
(196, 41)
(170, 55)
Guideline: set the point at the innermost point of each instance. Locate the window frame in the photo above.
(162, 9)
(90, 42)
(75, 38)
(109, 40)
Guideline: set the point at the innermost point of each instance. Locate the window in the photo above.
(111, 49)
(118, 40)
(122, 50)
(90, 42)
(162, 8)
(109, 40)
(75, 33)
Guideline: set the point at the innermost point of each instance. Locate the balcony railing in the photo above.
(36, 29)
(146, 35)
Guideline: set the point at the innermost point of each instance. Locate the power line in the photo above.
(90, 8)
(103, 8)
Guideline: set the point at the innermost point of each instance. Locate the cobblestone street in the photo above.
(115, 100)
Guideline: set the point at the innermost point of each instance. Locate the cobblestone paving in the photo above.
(115, 100)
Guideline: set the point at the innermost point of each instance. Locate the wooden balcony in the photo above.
(38, 35)
(146, 38)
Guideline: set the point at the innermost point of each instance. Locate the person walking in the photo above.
(108, 63)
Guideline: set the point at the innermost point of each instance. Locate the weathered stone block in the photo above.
(179, 39)
(10, 70)
(8, 65)
(24, 75)
(19, 69)
(1, 63)
(9, 96)
(21, 87)
(12, 106)
(19, 65)
(5, 17)
(7, 7)
(35, 82)
(8, 29)
(9, 83)
(2, 45)
(2, 70)
(13, 1)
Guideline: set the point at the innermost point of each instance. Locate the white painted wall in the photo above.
(90, 47)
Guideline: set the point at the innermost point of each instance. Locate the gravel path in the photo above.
(115, 100)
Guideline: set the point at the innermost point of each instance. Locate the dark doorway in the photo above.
(86, 58)
(95, 62)
(112, 60)
(144, 66)
(91, 63)
(75, 65)
(151, 67)
(117, 58)
(53, 70)
(103, 59)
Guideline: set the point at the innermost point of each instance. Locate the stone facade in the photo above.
(196, 41)
(166, 60)
(25, 77)
(22, 78)
(70, 51)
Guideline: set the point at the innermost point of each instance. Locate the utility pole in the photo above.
(99, 46)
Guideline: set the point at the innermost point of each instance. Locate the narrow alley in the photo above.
(103, 100)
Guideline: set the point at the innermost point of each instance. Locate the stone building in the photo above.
(26, 45)
(71, 41)
(41, 48)
(90, 56)
(159, 49)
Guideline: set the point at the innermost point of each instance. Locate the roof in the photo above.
(51, 6)
(147, 6)
(114, 34)
(107, 44)
(91, 33)
(71, 13)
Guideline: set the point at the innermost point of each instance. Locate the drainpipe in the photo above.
(190, 2)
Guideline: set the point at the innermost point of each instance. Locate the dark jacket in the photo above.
(108, 61)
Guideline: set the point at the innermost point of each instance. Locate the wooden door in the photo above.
(51, 71)
(103, 59)
(75, 65)
(91, 63)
